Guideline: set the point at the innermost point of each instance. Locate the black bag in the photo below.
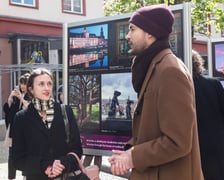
(73, 176)
(85, 173)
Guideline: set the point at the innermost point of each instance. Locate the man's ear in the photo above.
(150, 38)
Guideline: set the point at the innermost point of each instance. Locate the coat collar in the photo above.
(157, 59)
(37, 120)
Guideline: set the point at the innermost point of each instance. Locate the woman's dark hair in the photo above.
(60, 91)
(197, 63)
(24, 78)
(34, 74)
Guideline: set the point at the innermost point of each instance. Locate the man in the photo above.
(164, 143)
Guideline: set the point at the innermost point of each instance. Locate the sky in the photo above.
(94, 29)
(120, 82)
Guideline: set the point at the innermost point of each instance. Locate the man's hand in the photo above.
(121, 162)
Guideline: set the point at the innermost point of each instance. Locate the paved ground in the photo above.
(104, 173)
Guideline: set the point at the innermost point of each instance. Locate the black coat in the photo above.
(210, 116)
(11, 111)
(35, 147)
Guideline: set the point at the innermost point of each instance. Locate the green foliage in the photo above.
(204, 13)
(94, 114)
(115, 7)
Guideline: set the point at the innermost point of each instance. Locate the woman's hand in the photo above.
(55, 170)
(24, 103)
(14, 93)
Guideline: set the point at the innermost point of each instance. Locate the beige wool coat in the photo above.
(165, 136)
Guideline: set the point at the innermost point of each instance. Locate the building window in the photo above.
(34, 51)
(29, 3)
(73, 6)
(123, 47)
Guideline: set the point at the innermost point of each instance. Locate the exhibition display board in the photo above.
(97, 77)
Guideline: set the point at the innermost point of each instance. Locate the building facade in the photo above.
(31, 34)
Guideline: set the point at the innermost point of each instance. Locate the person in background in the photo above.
(164, 143)
(209, 95)
(39, 144)
(60, 95)
(17, 100)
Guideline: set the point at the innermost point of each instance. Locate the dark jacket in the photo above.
(35, 147)
(11, 111)
(210, 116)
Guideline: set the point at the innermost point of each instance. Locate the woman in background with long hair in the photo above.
(17, 100)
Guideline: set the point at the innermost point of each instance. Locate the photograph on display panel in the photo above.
(176, 37)
(88, 47)
(218, 59)
(119, 57)
(103, 105)
(84, 97)
(118, 100)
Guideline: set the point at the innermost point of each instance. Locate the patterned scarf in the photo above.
(47, 106)
(142, 62)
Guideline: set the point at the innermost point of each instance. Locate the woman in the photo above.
(39, 137)
(209, 95)
(17, 100)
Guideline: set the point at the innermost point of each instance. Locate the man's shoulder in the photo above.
(163, 54)
(169, 60)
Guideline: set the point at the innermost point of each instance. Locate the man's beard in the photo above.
(134, 52)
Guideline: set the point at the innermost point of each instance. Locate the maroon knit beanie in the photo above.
(156, 20)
